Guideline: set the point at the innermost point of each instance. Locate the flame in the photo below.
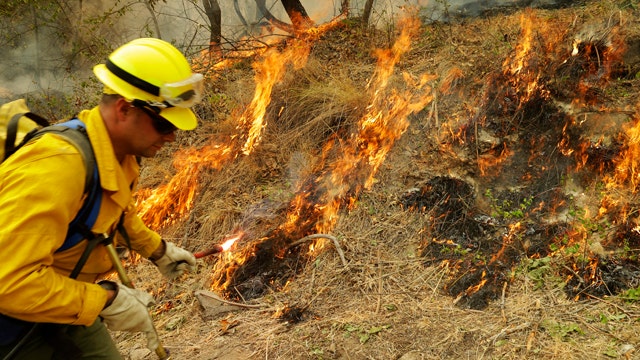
(268, 73)
(383, 123)
(489, 161)
(349, 165)
(521, 69)
(473, 289)
(228, 243)
(627, 170)
(173, 201)
(507, 240)
(517, 63)
(168, 203)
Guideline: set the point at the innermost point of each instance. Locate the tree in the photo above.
(366, 13)
(214, 13)
(262, 8)
(344, 7)
(300, 20)
(151, 7)
(298, 15)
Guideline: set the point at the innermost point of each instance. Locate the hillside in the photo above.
(474, 186)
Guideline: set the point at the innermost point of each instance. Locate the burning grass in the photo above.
(494, 192)
(527, 136)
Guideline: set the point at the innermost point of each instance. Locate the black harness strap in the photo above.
(12, 130)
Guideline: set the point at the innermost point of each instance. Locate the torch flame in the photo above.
(228, 243)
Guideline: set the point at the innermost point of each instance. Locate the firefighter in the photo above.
(149, 90)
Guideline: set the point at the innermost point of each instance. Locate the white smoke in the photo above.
(42, 63)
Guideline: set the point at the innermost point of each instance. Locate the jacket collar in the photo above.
(114, 176)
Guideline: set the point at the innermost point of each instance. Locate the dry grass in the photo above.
(386, 303)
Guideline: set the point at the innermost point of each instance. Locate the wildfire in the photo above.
(341, 176)
(168, 203)
(228, 243)
(543, 106)
(522, 69)
(268, 73)
(627, 169)
(490, 161)
(173, 201)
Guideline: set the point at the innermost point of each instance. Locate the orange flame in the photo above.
(228, 243)
(473, 289)
(338, 180)
(268, 73)
(524, 75)
(489, 161)
(627, 169)
(168, 203)
(384, 122)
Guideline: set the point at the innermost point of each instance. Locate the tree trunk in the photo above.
(262, 8)
(366, 13)
(298, 15)
(344, 7)
(214, 13)
(36, 30)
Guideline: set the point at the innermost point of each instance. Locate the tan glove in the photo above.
(175, 261)
(129, 312)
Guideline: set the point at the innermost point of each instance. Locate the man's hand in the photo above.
(175, 261)
(129, 312)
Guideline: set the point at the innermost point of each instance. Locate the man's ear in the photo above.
(122, 108)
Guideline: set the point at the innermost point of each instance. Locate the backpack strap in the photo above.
(80, 227)
(75, 133)
(12, 130)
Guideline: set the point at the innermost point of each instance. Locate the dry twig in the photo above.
(214, 296)
(316, 236)
(507, 331)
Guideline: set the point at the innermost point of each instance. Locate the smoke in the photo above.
(62, 52)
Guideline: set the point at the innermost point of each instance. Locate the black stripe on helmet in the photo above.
(132, 79)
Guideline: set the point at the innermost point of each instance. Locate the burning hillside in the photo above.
(356, 190)
(347, 165)
(534, 144)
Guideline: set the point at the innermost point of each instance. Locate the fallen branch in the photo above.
(507, 331)
(211, 295)
(503, 302)
(316, 236)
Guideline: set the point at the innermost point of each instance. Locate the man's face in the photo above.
(150, 132)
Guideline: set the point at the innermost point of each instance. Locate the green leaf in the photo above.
(351, 328)
(611, 353)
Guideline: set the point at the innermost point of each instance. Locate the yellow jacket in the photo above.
(41, 190)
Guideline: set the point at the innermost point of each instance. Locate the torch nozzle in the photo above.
(213, 250)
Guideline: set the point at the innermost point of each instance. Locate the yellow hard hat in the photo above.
(154, 71)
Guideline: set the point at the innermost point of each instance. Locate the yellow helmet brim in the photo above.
(182, 118)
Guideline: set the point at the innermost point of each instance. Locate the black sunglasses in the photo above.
(162, 125)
